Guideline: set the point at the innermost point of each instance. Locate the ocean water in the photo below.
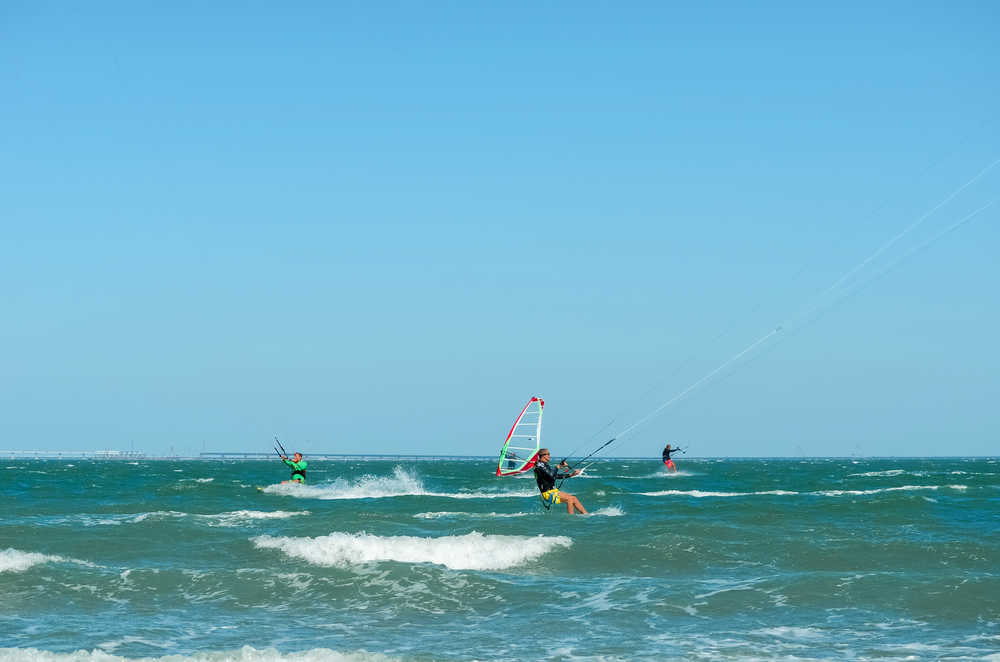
(790, 559)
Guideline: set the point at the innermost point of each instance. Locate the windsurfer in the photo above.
(547, 476)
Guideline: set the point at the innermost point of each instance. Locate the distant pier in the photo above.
(347, 457)
(73, 455)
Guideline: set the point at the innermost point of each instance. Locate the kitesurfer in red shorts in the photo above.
(666, 457)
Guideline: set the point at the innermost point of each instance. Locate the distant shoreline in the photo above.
(124, 456)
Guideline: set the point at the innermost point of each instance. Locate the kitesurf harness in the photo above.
(296, 470)
(546, 477)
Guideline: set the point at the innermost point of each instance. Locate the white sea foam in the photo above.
(245, 654)
(473, 551)
(233, 518)
(610, 511)
(665, 473)
(890, 472)
(13, 560)
(445, 514)
(401, 483)
(700, 494)
(239, 517)
(158, 514)
(901, 488)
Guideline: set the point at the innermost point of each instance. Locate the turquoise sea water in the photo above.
(826, 559)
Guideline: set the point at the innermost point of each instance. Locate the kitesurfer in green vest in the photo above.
(298, 466)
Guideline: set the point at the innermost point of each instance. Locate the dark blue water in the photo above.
(725, 560)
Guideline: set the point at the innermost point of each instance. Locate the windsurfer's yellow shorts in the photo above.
(551, 496)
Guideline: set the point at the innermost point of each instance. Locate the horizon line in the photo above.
(256, 455)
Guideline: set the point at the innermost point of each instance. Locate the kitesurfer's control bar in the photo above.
(282, 453)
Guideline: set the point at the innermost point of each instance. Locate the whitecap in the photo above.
(700, 494)
(609, 511)
(473, 551)
(238, 517)
(444, 514)
(871, 474)
(901, 488)
(400, 484)
(13, 560)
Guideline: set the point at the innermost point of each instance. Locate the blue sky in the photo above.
(382, 227)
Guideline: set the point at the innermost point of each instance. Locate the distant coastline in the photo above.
(118, 456)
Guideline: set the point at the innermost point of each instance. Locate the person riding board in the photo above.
(298, 466)
(666, 457)
(546, 477)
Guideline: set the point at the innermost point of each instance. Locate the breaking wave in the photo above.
(400, 484)
(13, 560)
(446, 514)
(473, 551)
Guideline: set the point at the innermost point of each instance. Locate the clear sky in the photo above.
(382, 227)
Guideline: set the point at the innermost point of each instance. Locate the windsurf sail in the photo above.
(520, 449)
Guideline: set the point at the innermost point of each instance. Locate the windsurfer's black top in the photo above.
(547, 476)
(668, 451)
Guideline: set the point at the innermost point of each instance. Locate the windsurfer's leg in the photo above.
(571, 503)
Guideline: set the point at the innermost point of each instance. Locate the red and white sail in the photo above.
(520, 449)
